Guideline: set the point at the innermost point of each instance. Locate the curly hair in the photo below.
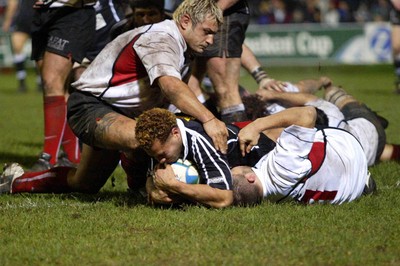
(154, 124)
(198, 11)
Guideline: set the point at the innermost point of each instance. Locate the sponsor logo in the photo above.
(303, 43)
(57, 43)
(216, 180)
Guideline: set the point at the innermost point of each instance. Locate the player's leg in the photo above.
(224, 74)
(391, 152)
(338, 96)
(55, 70)
(90, 176)
(370, 130)
(58, 41)
(95, 168)
(18, 40)
(223, 64)
(136, 164)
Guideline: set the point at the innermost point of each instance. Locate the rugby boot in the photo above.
(43, 163)
(10, 173)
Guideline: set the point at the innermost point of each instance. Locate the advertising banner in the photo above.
(297, 44)
(305, 44)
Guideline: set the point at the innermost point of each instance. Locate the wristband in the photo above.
(209, 120)
(259, 74)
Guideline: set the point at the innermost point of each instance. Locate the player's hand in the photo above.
(266, 95)
(155, 195)
(163, 176)
(218, 132)
(325, 82)
(272, 85)
(248, 137)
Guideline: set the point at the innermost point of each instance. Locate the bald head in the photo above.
(247, 190)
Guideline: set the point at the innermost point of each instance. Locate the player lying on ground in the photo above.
(343, 111)
(166, 138)
(307, 165)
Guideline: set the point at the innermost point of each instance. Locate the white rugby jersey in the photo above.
(361, 128)
(123, 73)
(334, 167)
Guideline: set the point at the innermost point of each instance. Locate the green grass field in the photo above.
(113, 228)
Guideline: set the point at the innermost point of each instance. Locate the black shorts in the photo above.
(66, 31)
(102, 36)
(356, 110)
(231, 34)
(235, 158)
(83, 112)
(23, 18)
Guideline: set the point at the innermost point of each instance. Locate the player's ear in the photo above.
(186, 21)
(175, 131)
(251, 177)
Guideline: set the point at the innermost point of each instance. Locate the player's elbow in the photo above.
(309, 116)
(224, 201)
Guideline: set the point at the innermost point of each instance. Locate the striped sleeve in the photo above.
(212, 166)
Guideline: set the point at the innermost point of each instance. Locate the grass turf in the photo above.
(115, 228)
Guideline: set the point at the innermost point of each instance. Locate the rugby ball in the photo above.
(185, 171)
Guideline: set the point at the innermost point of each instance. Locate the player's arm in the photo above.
(164, 179)
(313, 85)
(253, 66)
(183, 98)
(396, 4)
(289, 99)
(301, 116)
(225, 4)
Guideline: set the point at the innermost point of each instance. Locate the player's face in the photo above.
(201, 36)
(144, 16)
(170, 150)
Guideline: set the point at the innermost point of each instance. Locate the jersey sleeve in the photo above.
(160, 54)
(214, 171)
(292, 149)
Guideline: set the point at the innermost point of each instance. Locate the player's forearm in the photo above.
(301, 116)
(248, 59)
(203, 194)
(184, 99)
(294, 99)
(313, 85)
(250, 62)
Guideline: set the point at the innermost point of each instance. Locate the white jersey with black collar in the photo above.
(312, 165)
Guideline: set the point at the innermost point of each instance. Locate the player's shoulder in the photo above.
(193, 125)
